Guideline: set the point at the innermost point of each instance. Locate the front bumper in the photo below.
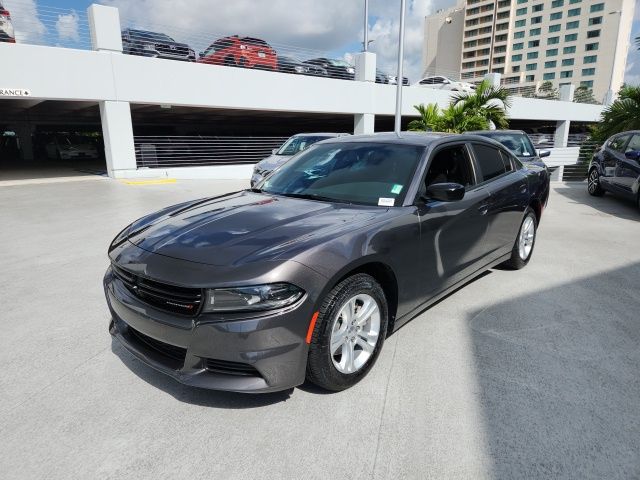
(260, 354)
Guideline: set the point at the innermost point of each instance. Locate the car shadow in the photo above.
(608, 204)
(194, 395)
(557, 379)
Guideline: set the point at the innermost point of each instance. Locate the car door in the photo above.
(628, 173)
(451, 233)
(612, 157)
(508, 196)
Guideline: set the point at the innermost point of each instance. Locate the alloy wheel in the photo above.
(355, 333)
(593, 181)
(526, 238)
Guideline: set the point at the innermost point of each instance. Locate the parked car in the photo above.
(292, 146)
(444, 83)
(389, 79)
(615, 167)
(71, 147)
(154, 44)
(7, 33)
(305, 275)
(519, 143)
(244, 52)
(288, 64)
(336, 68)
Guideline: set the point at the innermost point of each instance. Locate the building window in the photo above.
(574, 12)
(590, 47)
(518, 46)
(515, 68)
(566, 74)
(516, 58)
(567, 62)
(588, 72)
(529, 78)
(595, 21)
(532, 55)
(598, 7)
(573, 25)
(574, 1)
(550, 64)
(572, 37)
(521, 11)
(590, 59)
(593, 33)
(555, 16)
(520, 23)
(518, 35)
(534, 43)
(557, 3)
(549, 76)
(536, 20)
(532, 66)
(587, 84)
(534, 31)
(537, 8)
(500, 49)
(567, 50)
(496, 60)
(553, 40)
(498, 38)
(552, 52)
(555, 28)
(522, 1)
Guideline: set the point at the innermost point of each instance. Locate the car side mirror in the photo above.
(445, 192)
(544, 153)
(633, 155)
(274, 151)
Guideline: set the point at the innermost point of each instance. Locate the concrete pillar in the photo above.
(609, 98)
(364, 123)
(493, 79)
(24, 132)
(566, 92)
(561, 137)
(104, 23)
(365, 63)
(117, 131)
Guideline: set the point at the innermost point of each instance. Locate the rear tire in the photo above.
(593, 183)
(525, 241)
(349, 333)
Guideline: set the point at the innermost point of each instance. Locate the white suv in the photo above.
(444, 83)
(6, 27)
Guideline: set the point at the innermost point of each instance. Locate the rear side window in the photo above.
(634, 144)
(618, 142)
(490, 161)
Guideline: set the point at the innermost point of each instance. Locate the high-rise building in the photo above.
(529, 42)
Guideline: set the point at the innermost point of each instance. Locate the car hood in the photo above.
(246, 227)
(272, 162)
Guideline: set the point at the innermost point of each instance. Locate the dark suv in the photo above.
(615, 167)
(153, 44)
(335, 68)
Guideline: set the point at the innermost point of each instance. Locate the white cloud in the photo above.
(67, 26)
(24, 17)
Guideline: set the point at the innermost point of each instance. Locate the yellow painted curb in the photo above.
(155, 181)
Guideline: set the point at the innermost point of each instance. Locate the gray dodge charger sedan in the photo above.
(305, 275)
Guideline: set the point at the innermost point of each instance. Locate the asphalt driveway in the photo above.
(527, 374)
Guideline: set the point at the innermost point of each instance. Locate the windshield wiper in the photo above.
(311, 196)
(255, 190)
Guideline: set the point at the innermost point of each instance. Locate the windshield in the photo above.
(150, 36)
(518, 143)
(297, 144)
(361, 173)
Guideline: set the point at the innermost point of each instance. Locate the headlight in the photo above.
(258, 297)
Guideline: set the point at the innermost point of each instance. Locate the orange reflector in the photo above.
(311, 326)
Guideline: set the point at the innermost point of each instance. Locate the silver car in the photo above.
(279, 156)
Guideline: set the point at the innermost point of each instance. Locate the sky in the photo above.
(304, 28)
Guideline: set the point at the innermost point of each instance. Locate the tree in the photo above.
(467, 111)
(584, 95)
(548, 91)
(620, 116)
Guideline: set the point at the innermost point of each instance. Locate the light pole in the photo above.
(398, 119)
(366, 26)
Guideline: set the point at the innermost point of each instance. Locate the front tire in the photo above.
(525, 241)
(593, 183)
(349, 333)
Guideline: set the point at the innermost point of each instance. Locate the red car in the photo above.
(238, 51)
(6, 27)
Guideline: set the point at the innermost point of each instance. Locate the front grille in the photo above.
(168, 50)
(171, 351)
(170, 298)
(230, 368)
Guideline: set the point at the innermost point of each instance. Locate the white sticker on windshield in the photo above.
(386, 202)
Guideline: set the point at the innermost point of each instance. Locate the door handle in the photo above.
(483, 209)
(523, 188)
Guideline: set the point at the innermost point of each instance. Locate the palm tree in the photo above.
(456, 119)
(429, 118)
(621, 115)
(486, 101)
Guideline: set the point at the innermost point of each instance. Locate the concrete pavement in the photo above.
(527, 374)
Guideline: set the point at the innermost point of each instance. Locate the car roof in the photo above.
(494, 132)
(423, 139)
(322, 134)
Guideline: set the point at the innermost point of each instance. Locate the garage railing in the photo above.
(193, 151)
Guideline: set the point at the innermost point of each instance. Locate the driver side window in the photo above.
(450, 165)
(634, 144)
